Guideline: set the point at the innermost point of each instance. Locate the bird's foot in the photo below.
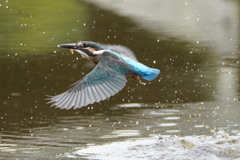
(136, 78)
(142, 83)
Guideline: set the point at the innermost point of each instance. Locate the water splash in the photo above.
(218, 146)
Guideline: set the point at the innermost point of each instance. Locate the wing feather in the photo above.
(86, 102)
(108, 89)
(100, 92)
(76, 104)
(104, 81)
(71, 104)
(122, 50)
(104, 91)
(95, 94)
(66, 103)
(112, 87)
(62, 100)
(82, 100)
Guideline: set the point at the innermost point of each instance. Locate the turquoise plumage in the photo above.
(106, 79)
(142, 70)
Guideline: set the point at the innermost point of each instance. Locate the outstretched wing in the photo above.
(122, 50)
(101, 83)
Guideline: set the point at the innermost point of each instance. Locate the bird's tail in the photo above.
(152, 74)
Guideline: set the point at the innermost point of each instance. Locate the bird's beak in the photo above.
(70, 46)
(85, 53)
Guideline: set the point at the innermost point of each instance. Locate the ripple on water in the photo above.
(171, 118)
(137, 105)
(130, 105)
(199, 126)
(165, 112)
(122, 133)
(12, 148)
(167, 124)
(173, 131)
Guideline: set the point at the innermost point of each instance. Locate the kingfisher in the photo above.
(113, 64)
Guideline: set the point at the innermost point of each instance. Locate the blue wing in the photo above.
(141, 69)
(130, 61)
(122, 50)
(101, 83)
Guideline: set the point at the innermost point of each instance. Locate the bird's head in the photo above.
(85, 48)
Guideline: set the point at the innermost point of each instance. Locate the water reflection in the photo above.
(212, 24)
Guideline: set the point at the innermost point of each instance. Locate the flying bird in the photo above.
(113, 64)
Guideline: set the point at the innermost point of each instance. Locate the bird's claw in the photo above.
(136, 78)
(142, 83)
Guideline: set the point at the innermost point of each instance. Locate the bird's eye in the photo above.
(84, 45)
(80, 44)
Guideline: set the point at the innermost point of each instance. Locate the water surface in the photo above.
(196, 94)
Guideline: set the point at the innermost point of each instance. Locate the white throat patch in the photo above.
(99, 52)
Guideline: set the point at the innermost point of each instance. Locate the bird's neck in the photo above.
(94, 59)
